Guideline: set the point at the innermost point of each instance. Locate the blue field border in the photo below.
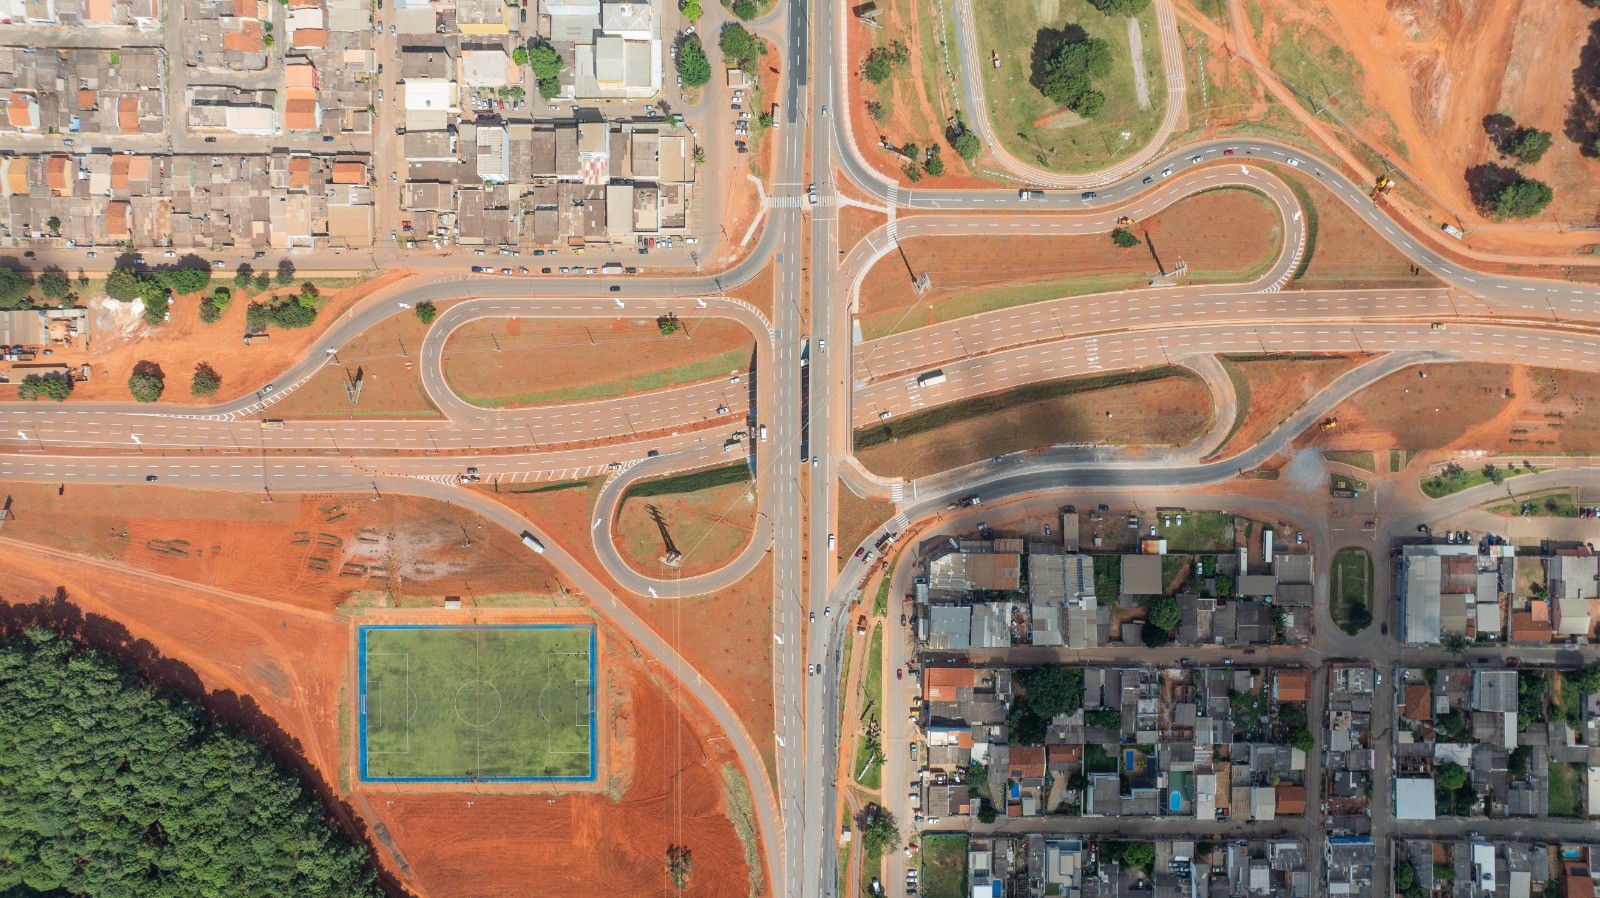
(361, 697)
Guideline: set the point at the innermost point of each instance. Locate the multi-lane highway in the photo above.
(810, 404)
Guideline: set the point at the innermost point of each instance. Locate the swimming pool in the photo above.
(1174, 801)
(1128, 758)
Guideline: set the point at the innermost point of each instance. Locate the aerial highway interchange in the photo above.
(853, 383)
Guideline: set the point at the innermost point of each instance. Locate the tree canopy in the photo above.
(426, 312)
(882, 61)
(745, 9)
(206, 381)
(546, 64)
(1529, 145)
(1450, 775)
(1522, 198)
(1301, 738)
(54, 285)
(691, 10)
(184, 280)
(1069, 74)
(111, 788)
(45, 386)
(14, 286)
(1124, 238)
(739, 46)
(1121, 7)
(1164, 613)
(145, 386)
(967, 145)
(693, 65)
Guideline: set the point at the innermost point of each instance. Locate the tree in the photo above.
(1138, 854)
(1455, 643)
(285, 275)
(1360, 615)
(693, 66)
(745, 9)
(155, 305)
(113, 787)
(987, 813)
(967, 146)
(14, 286)
(882, 834)
(426, 312)
(1529, 145)
(1124, 238)
(183, 281)
(123, 284)
(680, 861)
(206, 381)
(55, 387)
(1051, 689)
(1069, 74)
(1155, 637)
(263, 281)
(913, 172)
(691, 10)
(878, 111)
(1404, 875)
(54, 285)
(210, 312)
(935, 163)
(1164, 613)
(739, 46)
(520, 56)
(146, 386)
(1300, 738)
(881, 62)
(1104, 718)
(243, 276)
(668, 325)
(1522, 198)
(546, 64)
(1450, 775)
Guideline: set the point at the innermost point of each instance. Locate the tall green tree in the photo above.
(111, 788)
(1522, 198)
(1121, 7)
(1070, 71)
(546, 63)
(14, 286)
(146, 387)
(739, 46)
(206, 381)
(693, 65)
(55, 387)
(1529, 145)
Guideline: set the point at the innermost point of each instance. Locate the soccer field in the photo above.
(452, 704)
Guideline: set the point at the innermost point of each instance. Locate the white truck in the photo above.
(931, 378)
(532, 542)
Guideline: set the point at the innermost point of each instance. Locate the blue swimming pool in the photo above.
(1174, 802)
(1128, 758)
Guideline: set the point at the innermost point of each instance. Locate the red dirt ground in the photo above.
(512, 356)
(1438, 69)
(709, 527)
(1346, 253)
(1279, 387)
(385, 357)
(1225, 230)
(289, 660)
(185, 341)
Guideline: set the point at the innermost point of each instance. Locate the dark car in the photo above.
(652, 453)
(1384, 629)
(151, 478)
(1090, 195)
(1149, 180)
(615, 288)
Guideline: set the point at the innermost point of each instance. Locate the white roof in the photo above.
(1413, 799)
(432, 94)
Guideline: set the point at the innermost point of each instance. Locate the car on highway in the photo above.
(92, 254)
(652, 453)
(830, 541)
(824, 111)
(151, 478)
(614, 288)
(1166, 173)
(902, 620)
(813, 617)
(522, 270)
(816, 460)
(1228, 152)
(1149, 179)
(1293, 161)
(899, 673)
(481, 269)
(884, 416)
(1089, 195)
(1197, 159)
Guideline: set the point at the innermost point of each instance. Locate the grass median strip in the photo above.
(966, 409)
(690, 372)
(694, 481)
(1352, 589)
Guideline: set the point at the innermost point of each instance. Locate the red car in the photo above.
(1227, 152)
(861, 551)
(899, 673)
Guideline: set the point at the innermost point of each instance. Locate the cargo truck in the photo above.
(931, 378)
(532, 542)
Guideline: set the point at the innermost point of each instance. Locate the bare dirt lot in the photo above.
(1495, 408)
(383, 358)
(1422, 78)
(281, 666)
(708, 526)
(1168, 411)
(1272, 389)
(507, 362)
(184, 342)
(858, 517)
(1224, 236)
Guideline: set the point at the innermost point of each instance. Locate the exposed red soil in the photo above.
(384, 357)
(709, 527)
(1277, 389)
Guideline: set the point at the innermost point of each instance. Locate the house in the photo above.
(1413, 799)
(1141, 576)
(1291, 684)
(1290, 800)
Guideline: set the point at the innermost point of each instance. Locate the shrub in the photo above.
(146, 386)
(878, 111)
(935, 163)
(206, 381)
(745, 9)
(1124, 238)
(56, 387)
(1121, 7)
(426, 312)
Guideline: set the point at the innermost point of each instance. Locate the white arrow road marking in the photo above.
(653, 592)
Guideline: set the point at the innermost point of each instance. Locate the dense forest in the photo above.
(109, 787)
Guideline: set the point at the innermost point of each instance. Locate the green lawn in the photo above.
(459, 703)
(1346, 482)
(704, 369)
(880, 603)
(1553, 504)
(1097, 760)
(1017, 107)
(1201, 531)
(944, 866)
(1566, 789)
(692, 482)
(1352, 585)
(1107, 579)
(1458, 479)
(871, 697)
(1366, 461)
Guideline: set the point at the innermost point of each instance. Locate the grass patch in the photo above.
(692, 482)
(1366, 461)
(1107, 579)
(1015, 105)
(1566, 789)
(880, 604)
(1097, 760)
(944, 866)
(487, 703)
(870, 775)
(690, 372)
(1397, 460)
(966, 409)
(378, 413)
(1454, 480)
(741, 813)
(1549, 504)
(1352, 586)
(1342, 482)
(1201, 531)
(977, 302)
(556, 487)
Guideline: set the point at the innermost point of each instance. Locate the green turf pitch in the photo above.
(457, 703)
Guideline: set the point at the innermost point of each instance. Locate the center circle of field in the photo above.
(478, 703)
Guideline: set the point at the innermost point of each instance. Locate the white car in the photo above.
(1293, 161)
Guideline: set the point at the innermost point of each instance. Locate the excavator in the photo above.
(1383, 185)
(1124, 222)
